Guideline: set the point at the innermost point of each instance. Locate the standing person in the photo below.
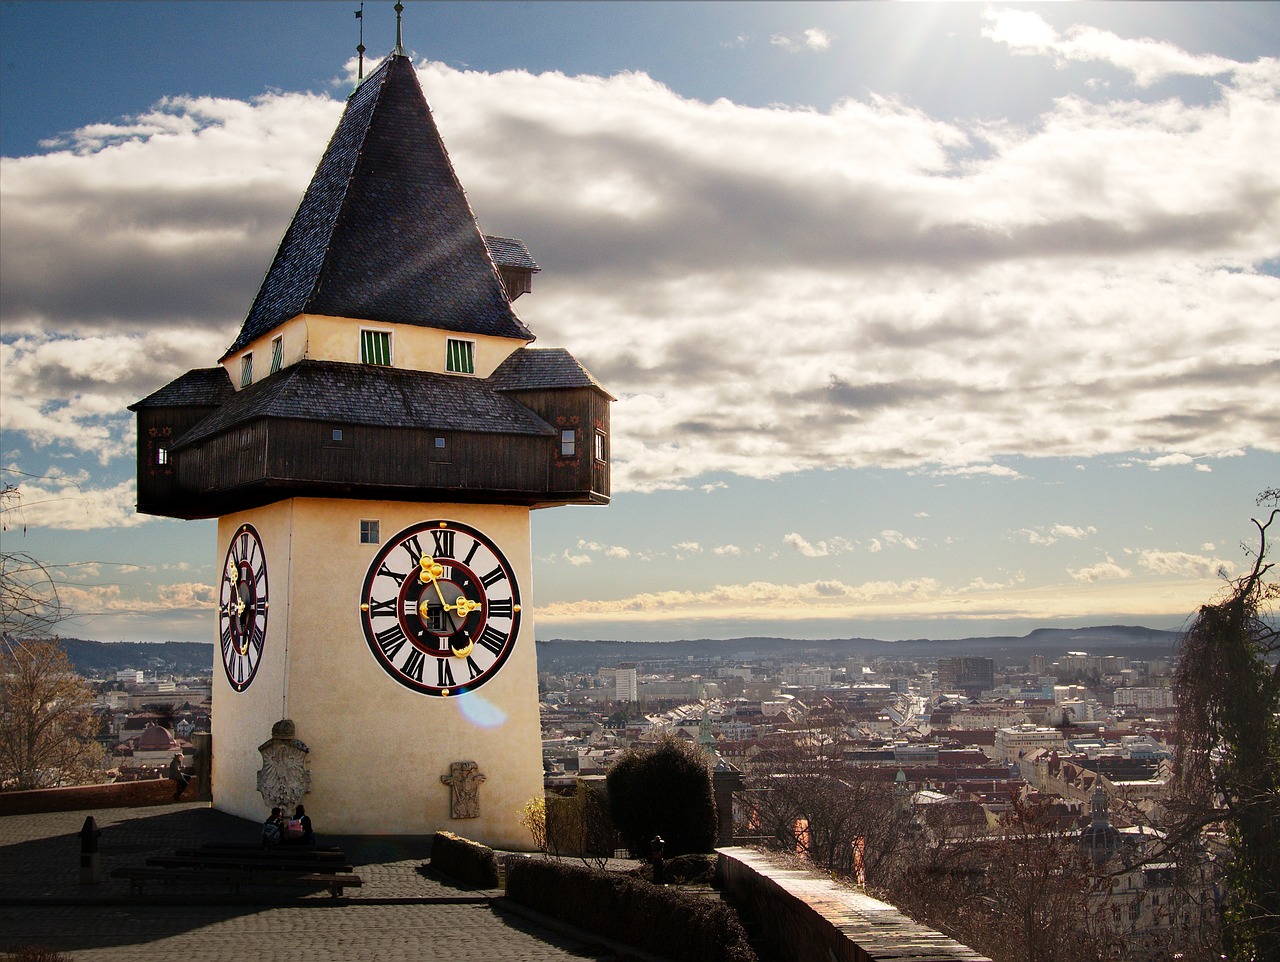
(178, 776)
(298, 829)
(273, 827)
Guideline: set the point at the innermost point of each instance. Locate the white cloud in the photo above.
(74, 507)
(1148, 60)
(953, 294)
(1183, 564)
(1102, 571)
(818, 549)
(727, 550)
(812, 38)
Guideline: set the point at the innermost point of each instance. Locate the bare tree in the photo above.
(1227, 762)
(47, 725)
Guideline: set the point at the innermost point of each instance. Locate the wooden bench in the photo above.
(335, 882)
(248, 865)
(239, 864)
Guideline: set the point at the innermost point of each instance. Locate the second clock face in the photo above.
(440, 608)
(242, 607)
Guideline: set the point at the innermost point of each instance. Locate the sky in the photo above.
(924, 320)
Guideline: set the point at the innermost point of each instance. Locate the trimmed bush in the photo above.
(464, 860)
(667, 922)
(664, 790)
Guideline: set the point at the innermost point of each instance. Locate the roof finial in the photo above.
(360, 48)
(399, 51)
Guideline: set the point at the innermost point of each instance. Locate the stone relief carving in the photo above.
(464, 780)
(284, 777)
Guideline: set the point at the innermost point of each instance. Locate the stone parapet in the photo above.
(805, 915)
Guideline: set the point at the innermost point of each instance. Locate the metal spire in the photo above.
(360, 48)
(399, 51)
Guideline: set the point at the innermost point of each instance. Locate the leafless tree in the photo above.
(47, 725)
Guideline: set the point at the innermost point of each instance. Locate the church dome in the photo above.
(156, 738)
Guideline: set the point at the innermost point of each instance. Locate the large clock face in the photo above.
(440, 608)
(242, 607)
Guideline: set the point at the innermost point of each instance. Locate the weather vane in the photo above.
(360, 47)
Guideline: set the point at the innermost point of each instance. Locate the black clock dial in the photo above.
(242, 607)
(440, 608)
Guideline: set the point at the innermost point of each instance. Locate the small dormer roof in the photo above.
(385, 232)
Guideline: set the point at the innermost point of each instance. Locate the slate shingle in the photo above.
(372, 395)
(541, 368)
(384, 232)
(203, 386)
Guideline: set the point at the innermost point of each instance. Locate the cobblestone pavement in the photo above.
(397, 914)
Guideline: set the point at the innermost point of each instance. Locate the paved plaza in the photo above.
(399, 913)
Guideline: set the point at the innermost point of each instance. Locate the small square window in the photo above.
(246, 370)
(460, 356)
(337, 434)
(568, 443)
(602, 447)
(375, 347)
(370, 532)
(440, 443)
(277, 354)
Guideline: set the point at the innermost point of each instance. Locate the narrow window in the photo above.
(460, 356)
(370, 532)
(602, 447)
(568, 443)
(375, 347)
(162, 455)
(277, 354)
(246, 370)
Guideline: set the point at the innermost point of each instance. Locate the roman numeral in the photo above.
(472, 668)
(379, 609)
(391, 640)
(500, 608)
(492, 639)
(226, 640)
(413, 665)
(414, 547)
(259, 575)
(475, 546)
(444, 673)
(493, 577)
(396, 575)
(443, 539)
(259, 636)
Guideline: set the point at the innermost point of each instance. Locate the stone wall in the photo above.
(155, 791)
(805, 916)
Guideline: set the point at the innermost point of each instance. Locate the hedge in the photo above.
(464, 860)
(667, 922)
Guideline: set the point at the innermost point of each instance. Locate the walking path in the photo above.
(399, 913)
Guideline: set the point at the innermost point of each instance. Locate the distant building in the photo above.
(974, 675)
(625, 681)
(1012, 742)
(1145, 697)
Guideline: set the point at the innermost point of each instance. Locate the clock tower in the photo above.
(372, 444)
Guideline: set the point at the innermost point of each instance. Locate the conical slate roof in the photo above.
(384, 232)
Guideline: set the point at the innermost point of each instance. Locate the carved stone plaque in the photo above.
(464, 780)
(284, 777)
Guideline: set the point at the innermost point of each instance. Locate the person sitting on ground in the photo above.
(273, 827)
(297, 830)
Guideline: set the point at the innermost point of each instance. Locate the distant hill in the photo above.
(96, 657)
(1131, 641)
(177, 657)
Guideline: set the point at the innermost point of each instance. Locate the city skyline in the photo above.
(924, 320)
